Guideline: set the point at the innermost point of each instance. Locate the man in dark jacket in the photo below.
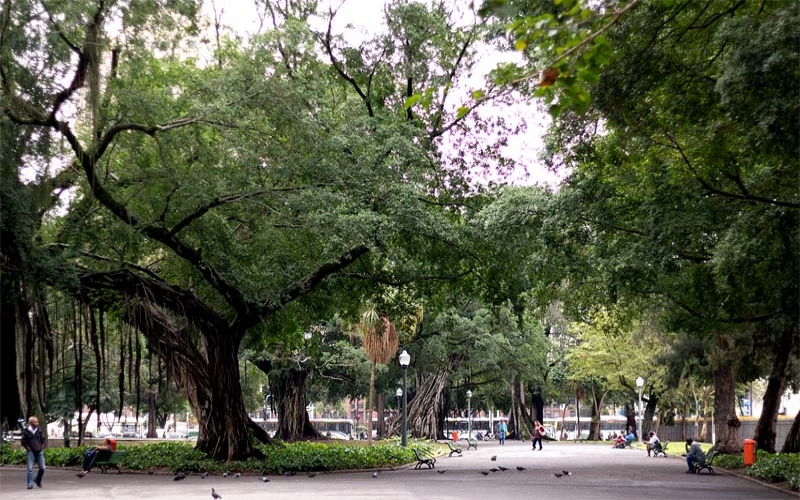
(33, 440)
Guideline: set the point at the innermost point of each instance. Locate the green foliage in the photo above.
(9, 455)
(778, 467)
(727, 461)
(301, 456)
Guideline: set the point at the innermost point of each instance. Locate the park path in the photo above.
(598, 472)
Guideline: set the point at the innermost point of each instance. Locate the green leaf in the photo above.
(412, 100)
(462, 112)
(478, 94)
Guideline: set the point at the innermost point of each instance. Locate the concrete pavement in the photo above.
(599, 472)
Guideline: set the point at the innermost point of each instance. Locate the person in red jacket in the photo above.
(102, 452)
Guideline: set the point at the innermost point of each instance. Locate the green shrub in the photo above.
(778, 467)
(278, 458)
(729, 461)
(11, 456)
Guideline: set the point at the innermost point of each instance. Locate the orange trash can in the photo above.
(749, 455)
(455, 436)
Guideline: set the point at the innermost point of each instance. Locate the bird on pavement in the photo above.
(215, 495)
(179, 476)
(225, 474)
(558, 474)
(312, 474)
(566, 472)
(494, 469)
(149, 473)
(291, 473)
(521, 468)
(375, 474)
(441, 471)
(502, 468)
(237, 475)
(204, 475)
(264, 479)
(485, 472)
(494, 458)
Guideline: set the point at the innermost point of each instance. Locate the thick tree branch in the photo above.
(327, 45)
(181, 302)
(305, 285)
(711, 189)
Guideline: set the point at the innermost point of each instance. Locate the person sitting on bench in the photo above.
(102, 452)
(694, 455)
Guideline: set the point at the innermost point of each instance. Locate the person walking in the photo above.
(538, 432)
(34, 441)
(502, 429)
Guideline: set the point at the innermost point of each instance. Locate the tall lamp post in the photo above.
(469, 414)
(399, 394)
(405, 360)
(639, 385)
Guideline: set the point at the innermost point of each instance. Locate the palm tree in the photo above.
(380, 341)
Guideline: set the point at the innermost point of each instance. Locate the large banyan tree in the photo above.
(213, 184)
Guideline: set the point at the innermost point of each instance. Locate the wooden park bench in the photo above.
(706, 464)
(472, 443)
(453, 448)
(111, 462)
(424, 458)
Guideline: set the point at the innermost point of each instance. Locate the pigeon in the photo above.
(237, 475)
(502, 468)
(494, 458)
(215, 495)
(558, 474)
(441, 471)
(494, 470)
(149, 473)
(375, 474)
(225, 474)
(179, 476)
(566, 472)
(521, 468)
(264, 479)
(485, 472)
(291, 473)
(312, 474)
(204, 475)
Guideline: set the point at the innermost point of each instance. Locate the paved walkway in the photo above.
(598, 472)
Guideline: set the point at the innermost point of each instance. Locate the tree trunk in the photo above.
(287, 384)
(537, 405)
(792, 443)
(370, 403)
(594, 431)
(765, 428)
(649, 412)
(726, 423)
(423, 410)
(380, 411)
(630, 417)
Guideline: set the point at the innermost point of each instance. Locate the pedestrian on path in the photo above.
(34, 441)
(538, 432)
(502, 429)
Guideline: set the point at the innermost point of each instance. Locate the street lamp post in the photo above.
(399, 394)
(639, 385)
(469, 414)
(405, 359)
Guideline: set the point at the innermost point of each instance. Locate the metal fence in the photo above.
(681, 431)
